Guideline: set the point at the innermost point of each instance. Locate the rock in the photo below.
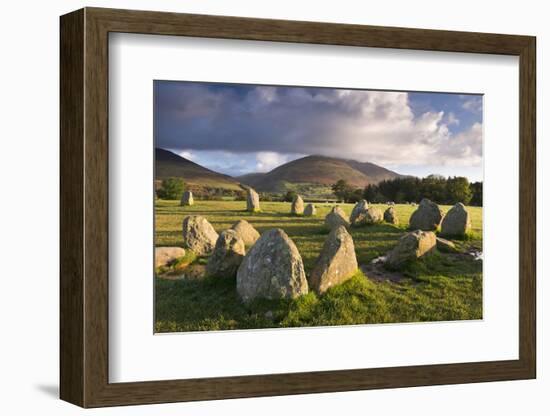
(411, 246)
(297, 207)
(252, 200)
(166, 255)
(390, 216)
(187, 199)
(445, 245)
(457, 222)
(335, 218)
(198, 235)
(336, 263)
(310, 210)
(369, 217)
(359, 207)
(246, 231)
(227, 255)
(272, 269)
(427, 216)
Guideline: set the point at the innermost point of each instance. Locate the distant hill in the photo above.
(171, 165)
(319, 170)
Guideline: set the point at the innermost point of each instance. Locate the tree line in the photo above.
(439, 189)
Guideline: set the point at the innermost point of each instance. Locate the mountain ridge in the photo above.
(314, 169)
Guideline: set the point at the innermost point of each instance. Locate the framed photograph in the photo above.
(257, 207)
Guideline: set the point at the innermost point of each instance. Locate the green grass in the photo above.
(441, 287)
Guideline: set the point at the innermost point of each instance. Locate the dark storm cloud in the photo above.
(365, 125)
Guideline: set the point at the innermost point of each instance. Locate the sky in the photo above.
(237, 129)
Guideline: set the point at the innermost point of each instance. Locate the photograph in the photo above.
(282, 206)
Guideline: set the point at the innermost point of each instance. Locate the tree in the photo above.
(342, 190)
(171, 188)
(289, 196)
(458, 190)
(477, 194)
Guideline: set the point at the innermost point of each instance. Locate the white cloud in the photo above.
(185, 154)
(374, 126)
(473, 104)
(267, 161)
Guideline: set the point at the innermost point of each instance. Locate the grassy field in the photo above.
(441, 287)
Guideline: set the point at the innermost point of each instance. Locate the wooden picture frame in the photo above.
(84, 207)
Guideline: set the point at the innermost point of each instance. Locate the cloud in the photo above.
(272, 122)
(267, 161)
(473, 104)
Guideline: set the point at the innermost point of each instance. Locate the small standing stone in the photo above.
(310, 210)
(297, 207)
(187, 199)
(411, 246)
(335, 218)
(427, 216)
(252, 200)
(457, 222)
(390, 216)
(272, 269)
(198, 235)
(359, 208)
(166, 255)
(371, 216)
(227, 255)
(336, 263)
(246, 231)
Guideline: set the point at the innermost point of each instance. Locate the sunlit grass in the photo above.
(442, 287)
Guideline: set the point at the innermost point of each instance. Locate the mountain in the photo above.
(168, 164)
(319, 170)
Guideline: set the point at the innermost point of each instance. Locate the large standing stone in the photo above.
(427, 216)
(335, 218)
(457, 221)
(187, 199)
(272, 269)
(359, 207)
(411, 246)
(390, 216)
(297, 207)
(198, 235)
(252, 200)
(227, 256)
(310, 210)
(246, 231)
(166, 255)
(371, 216)
(336, 263)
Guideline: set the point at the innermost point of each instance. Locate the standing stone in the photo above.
(359, 208)
(272, 269)
(198, 235)
(390, 216)
(335, 218)
(427, 216)
(227, 256)
(252, 200)
(297, 207)
(166, 255)
(310, 210)
(411, 246)
(336, 263)
(246, 231)
(187, 199)
(369, 217)
(457, 222)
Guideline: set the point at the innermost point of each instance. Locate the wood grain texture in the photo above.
(71, 100)
(84, 207)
